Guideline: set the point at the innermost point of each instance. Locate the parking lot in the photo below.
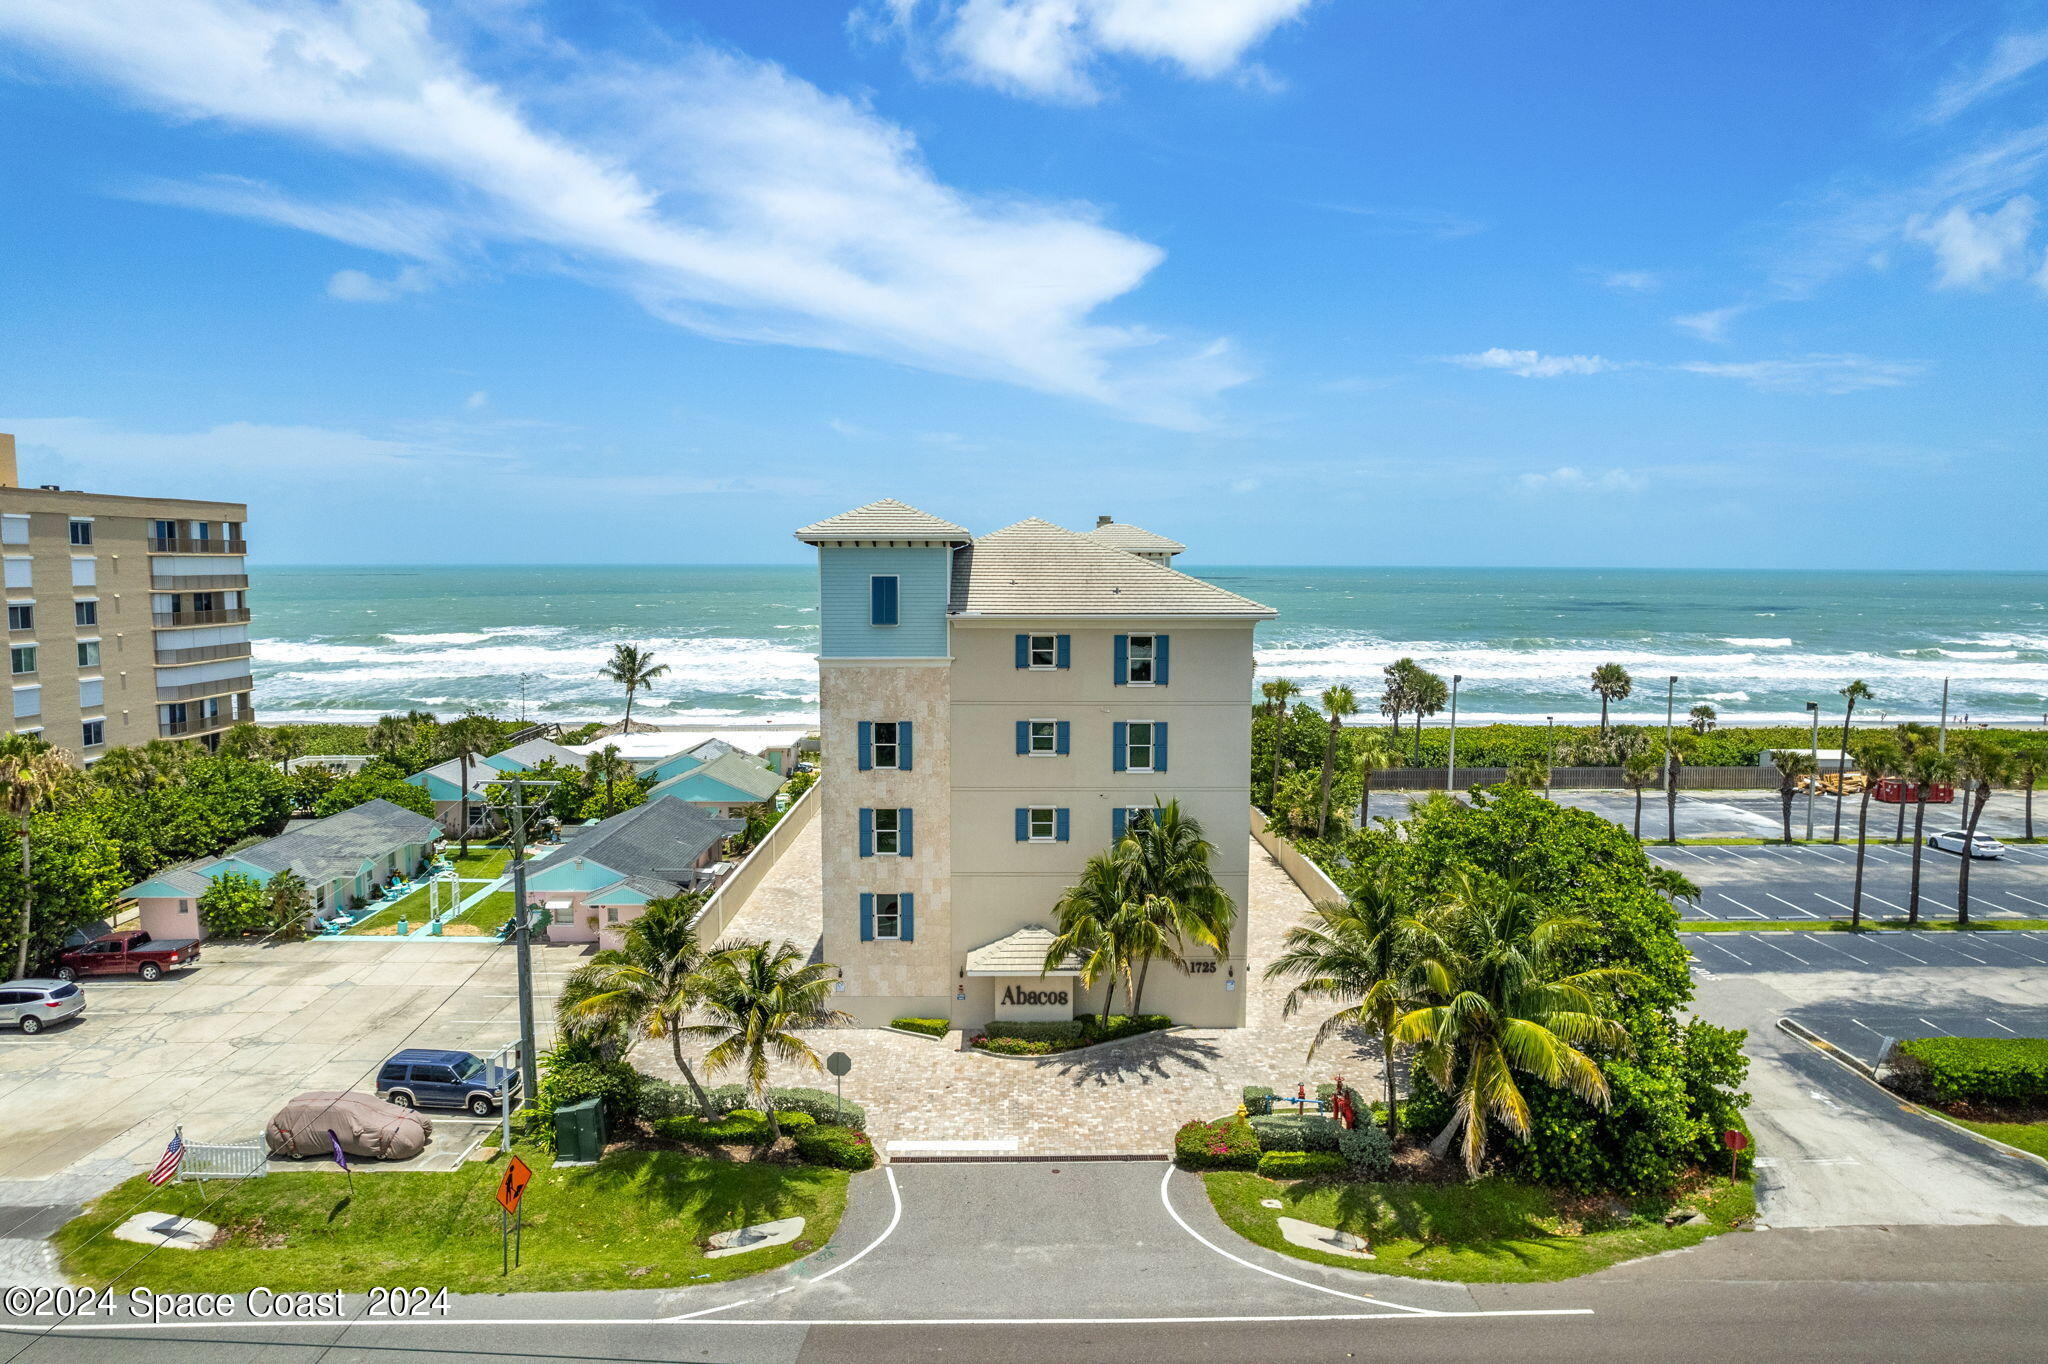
(219, 1047)
(1811, 881)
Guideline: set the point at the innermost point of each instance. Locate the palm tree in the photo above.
(245, 740)
(608, 767)
(1638, 770)
(1394, 693)
(1356, 953)
(1680, 750)
(632, 667)
(1374, 752)
(1611, 682)
(31, 775)
(1427, 694)
(1179, 903)
(470, 738)
(1499, 1000)
(647, 986)
(1792, 765)
(756, 995)
(2027, 761)
(285, 893)
(1854, 692)
(390, 734)
(1879, 758)
(1672, 883)
(1925, 766)
(1089, 912)
(1338, 702)
(1702, 718)
(286, 743)
(1278, 693)
(1980, 764)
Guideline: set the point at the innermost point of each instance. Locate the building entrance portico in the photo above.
(1020, 989)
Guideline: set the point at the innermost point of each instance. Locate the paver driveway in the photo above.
(1129, 1097)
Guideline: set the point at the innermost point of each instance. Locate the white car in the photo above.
(1955, 840)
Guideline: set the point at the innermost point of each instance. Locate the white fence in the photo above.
(224, 1160)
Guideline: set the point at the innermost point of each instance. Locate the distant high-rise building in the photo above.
(127, 617)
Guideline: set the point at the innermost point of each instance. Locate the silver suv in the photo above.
(33, 1005)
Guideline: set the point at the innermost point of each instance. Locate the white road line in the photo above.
(1938, 1031)
(1739, 905)
(1866, 1027)
(1789, 905)
(1707, 940)
(1821, 940)
(1825, 856)
(1900, 950)
(1775, 948)
(1174, 1213)
(2028, 898)
(1996, 1024)
(1881, 900)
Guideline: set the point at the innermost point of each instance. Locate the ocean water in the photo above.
(351, 643)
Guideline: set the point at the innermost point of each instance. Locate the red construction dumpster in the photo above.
(1897, 790)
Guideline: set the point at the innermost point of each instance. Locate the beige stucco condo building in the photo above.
(993, 712)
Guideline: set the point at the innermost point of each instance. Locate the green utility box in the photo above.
(579, 1132)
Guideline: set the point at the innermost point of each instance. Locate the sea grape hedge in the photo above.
(1302, 1165)
(2010, 1069)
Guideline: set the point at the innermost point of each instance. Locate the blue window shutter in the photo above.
(906, 919)
(903, 745)
(1116, 823)
(1059, 825)
(867, 917)
(1023, 736)
(1063, 655)
(1119, 735)
(1023, 651)
(1159, 745)
(1120, 668)
(866, 745)
(1160, 655)
(1023, 825)
(1059, 743)
(903, 831)
(882, 600)
(867, 832)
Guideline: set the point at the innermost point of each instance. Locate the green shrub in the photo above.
(1291, 1132)
(1226, 1144)
(666, 1099)
(233, 906)
(1122, 1025)
(1017, 1046)
(1302, 1164)
(1365, 1148)
(825, 1107)
(1067, 1032)
(567, 1079)
(1258, 1100)
(743, 1128)
(841, 1148)
(1042, 1039)
(2013, 1069)
(930, 1027)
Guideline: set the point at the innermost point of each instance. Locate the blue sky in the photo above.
(1296, 281)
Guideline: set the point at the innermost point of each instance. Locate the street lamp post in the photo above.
(1451, 771)
(1813, 778)
(1670, 804)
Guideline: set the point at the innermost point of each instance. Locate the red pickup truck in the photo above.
(131, 953)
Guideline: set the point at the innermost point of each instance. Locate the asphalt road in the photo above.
(1805, 881)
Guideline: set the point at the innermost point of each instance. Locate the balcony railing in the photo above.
(169, 620)
(197, 582)
(203, 653)
(201, 724)
(191, 690)
(178, 544)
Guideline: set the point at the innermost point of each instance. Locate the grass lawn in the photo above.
(482, 864)
(1488, 1231)
(1842, 925)
(634, 1220)
(2028, 1136)
(483, 917)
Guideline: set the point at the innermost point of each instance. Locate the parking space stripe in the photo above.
(1739, 905)
(1821, 940)
(1789, 905)
(1996, 1024)
(1707, 940)
(1900, 950)
(2028, 898)
(1775, 948)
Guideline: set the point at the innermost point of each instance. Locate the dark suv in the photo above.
(418, 1078)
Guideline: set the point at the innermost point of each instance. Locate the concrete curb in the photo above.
(972, 1050)
(920, 1036)
(1022, 1158)
(1869, 1076)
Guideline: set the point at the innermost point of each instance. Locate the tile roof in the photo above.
(662, 839)
(737, 773)
(1020, 954)
(1035, 568)
(1136, 539)
(884, 520)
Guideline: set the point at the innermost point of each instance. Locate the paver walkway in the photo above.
(1131, 1096)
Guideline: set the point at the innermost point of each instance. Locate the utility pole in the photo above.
(529, 1066)
(1451, 772)
(1670, 806)
(1813, 778)
(1941, 743)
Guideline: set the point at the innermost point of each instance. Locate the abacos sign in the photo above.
(1017, 997)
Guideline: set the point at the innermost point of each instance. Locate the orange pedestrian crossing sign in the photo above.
(513, 1186)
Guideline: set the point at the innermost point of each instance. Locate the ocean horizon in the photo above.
(348, 643)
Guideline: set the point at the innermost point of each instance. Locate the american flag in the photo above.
(174, 1156)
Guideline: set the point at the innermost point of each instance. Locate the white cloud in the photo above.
(723, 193)
(477, 400)
(1834, 374)
(1050, 48)
(1571, 479)
(1632, 281)
(2014, 55)
(1711, 325)
(354, 286)
(1533, 364)
(1976, 250)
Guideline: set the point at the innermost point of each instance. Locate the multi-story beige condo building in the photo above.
(127, 617)
(993, 711)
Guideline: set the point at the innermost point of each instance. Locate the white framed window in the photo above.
(21, 615)
(81, 530)
(85, 572)
(22, 658)
(91, 693)
(92, 733)
(1042, 737)
(20, 571)
(88, 653)
(888, 915)
(1139, 746)
(1136, 815)
(28, 701)
(611, 914)
(1041, 824)
(86, 612)
(885, 743)
(13, 529)
(1043, 651)
(565, 914)
(1143, 650)
(888, 832)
